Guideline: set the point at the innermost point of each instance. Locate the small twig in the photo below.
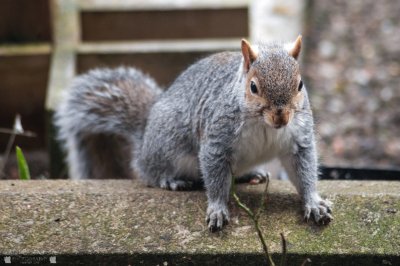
(305, 262)
(16, 131)
(263, 196)
(241, 205)
(284, 250)
(28, 134)
(7, 153)
(255, 217)
(256, 225)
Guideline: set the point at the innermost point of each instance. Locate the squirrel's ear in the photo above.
(249, 55)
(294, 49)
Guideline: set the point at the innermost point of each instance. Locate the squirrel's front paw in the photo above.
(319, 209)
(217, 217)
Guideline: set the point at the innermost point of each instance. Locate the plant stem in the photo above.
(23, 168)
(263, 197)
(7, 153)
(284, 250)
(255, 217)
(305, 262)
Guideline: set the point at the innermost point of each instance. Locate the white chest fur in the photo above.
(258, 143)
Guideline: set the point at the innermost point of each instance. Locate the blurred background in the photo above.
(350, 62)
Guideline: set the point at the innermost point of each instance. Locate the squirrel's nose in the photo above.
(280, 118)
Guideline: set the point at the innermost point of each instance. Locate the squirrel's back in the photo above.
(208, 75)
(197, 92)
(103, 112)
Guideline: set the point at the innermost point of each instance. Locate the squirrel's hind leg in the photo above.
(253, 177)
(185, 174)
(179, 174)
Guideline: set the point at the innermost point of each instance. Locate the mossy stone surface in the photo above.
(128, 222)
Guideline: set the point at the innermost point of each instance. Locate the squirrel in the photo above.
(221, 117)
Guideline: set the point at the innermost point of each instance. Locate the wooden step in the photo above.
(25, 49)
(159, 46)
(118, 5)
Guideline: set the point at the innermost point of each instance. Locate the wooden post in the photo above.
(66, 33)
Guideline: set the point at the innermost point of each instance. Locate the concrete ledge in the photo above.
(123, 222)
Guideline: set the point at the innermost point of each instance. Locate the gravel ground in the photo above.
(352, 67)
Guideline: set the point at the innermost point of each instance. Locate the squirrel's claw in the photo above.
(217, 218)
(320, 210)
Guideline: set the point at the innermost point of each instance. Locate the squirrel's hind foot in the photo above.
(252, 178)
(181, 184)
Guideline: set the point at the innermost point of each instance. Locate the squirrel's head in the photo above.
(273, 86)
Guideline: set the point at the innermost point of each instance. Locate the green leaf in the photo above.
(23, 168)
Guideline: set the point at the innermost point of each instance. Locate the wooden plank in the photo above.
(66, 23)
(164, 24)
(159, 46)
(118, 5)
(276, 20)
(61, 73)
(25, 49)
(62, 70)
(66, 37)
(164, 67)
(24, 21)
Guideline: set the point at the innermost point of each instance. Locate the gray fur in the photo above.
(101, 119)
(204, 127)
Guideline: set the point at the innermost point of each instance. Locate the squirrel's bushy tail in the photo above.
(101, 117)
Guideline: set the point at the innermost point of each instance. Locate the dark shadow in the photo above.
(158, 258)
(277, 203)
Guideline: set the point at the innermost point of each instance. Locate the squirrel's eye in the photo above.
(300, 85)
(253, 87)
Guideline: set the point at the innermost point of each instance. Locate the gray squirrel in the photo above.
(223, 116)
